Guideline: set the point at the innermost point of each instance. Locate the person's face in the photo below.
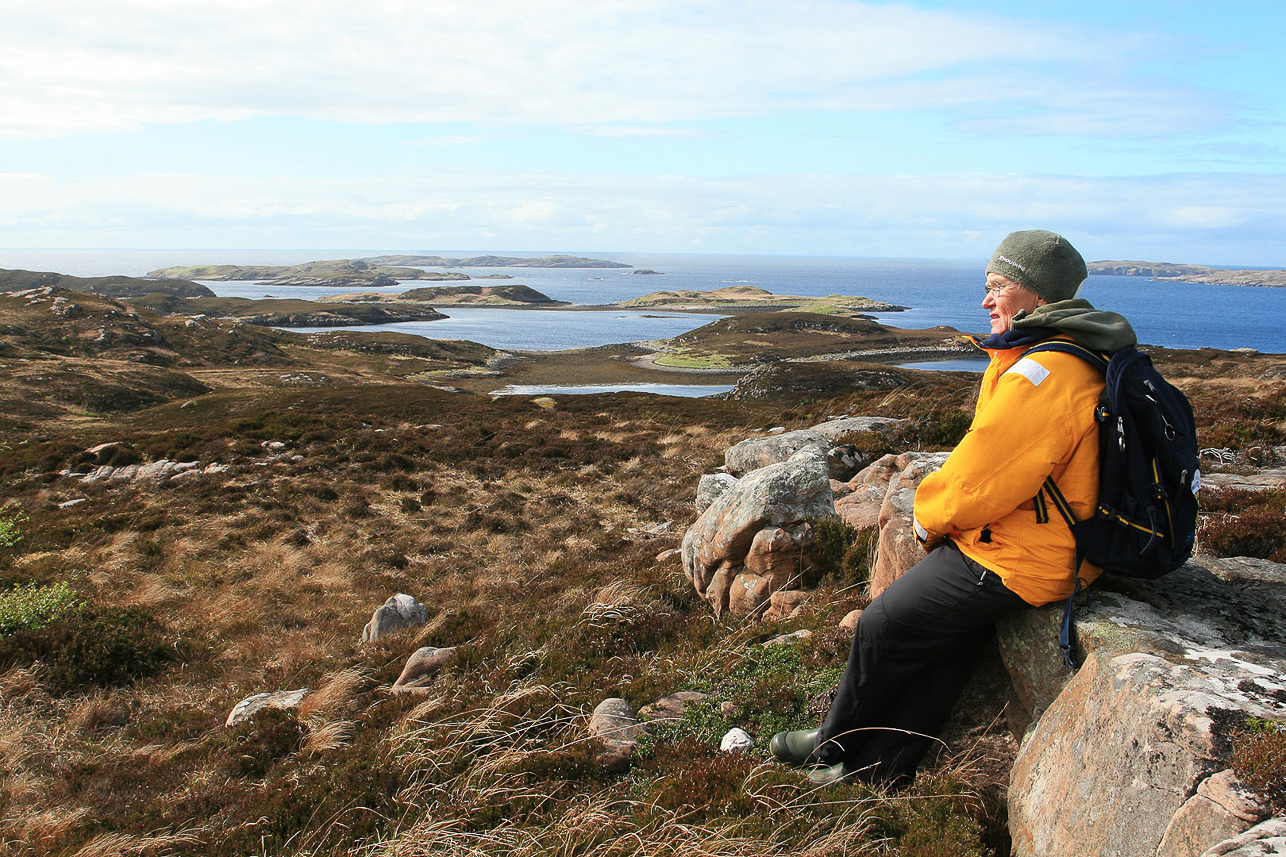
(1004, 299)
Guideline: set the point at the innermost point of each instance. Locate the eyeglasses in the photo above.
(994, 289)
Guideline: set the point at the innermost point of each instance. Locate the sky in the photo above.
(1139, 129)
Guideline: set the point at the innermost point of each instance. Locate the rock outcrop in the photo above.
(753, 538)
(756, 452)
(1140, 737)
(1132, 754)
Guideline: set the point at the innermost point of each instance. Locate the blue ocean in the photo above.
(1174, 315)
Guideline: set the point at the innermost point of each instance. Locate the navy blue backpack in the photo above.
(1145, 523)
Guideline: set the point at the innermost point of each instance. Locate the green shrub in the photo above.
(27, 608)
(841, 551)
(12, 517)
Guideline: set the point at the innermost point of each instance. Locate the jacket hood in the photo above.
(1077, 318)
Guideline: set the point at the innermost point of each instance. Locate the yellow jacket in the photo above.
(1034, 418)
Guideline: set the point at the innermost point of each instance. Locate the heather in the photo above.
(331, 472)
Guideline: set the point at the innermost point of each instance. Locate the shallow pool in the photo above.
(686, 390)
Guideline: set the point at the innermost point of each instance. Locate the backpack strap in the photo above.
(1066, 346)
(1065, 633)
(1099, 360)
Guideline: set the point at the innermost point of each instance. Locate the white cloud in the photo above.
(69, 66)
(1180, 217)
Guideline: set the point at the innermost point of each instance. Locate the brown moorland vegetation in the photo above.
(134, 614)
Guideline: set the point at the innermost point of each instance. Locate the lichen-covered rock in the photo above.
(1210, 605)
(246, 709)
(835, 430)
(779, 495)
(710, 487)
(860, 506)
(756, 452)
(400, 611)
(1263, 840)
(1138, 738)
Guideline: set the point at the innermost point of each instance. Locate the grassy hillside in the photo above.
(327, 477)
(112, 287)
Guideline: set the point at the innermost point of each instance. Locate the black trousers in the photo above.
(912, 654)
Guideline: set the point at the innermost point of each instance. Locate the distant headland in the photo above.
(1190, 273)
(375, 271)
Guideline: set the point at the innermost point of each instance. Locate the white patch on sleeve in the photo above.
(1029, 369)
(920, 531)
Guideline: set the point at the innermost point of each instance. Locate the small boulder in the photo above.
(246, 709)
(736, 739)
(423, 666)
(849, 622)
(614, 725)
(671, 707)
(400, 611)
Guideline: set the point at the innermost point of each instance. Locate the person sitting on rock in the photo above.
(991, 550)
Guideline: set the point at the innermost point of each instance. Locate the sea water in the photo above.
(1174, 315)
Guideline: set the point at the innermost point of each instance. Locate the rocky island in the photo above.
(752, 299)
(375, 271)
(556, 261)
(515, 296)
(1190, 273)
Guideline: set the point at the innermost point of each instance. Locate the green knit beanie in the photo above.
(1042, 261)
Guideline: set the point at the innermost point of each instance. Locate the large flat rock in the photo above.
(1125, 751)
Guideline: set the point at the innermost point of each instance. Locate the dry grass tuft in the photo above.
(159, 844)
(324, 735)
(97, 712)
(40, 832)
(336, 694)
